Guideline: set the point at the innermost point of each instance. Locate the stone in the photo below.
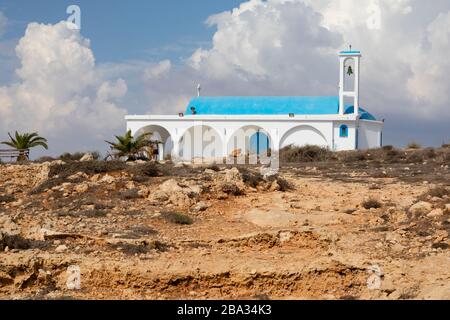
(274, 186)
(87, 157)
(447, 208)
(108, 179)
(285, 236)
(201, 206)
(421, 207)
(435, 213)
(176, 193)
(95, 178)
(61, 248)
(81, 188)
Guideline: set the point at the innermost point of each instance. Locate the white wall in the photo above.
(319, 130)
(344, 143)
(369, 134)
(304, 135)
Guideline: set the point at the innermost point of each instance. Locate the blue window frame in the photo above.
(343, 131)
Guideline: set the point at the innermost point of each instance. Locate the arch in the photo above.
(239, 143)
(349, 81)
(303, 135)
(343, 131)
(200, 142)
(162, 135)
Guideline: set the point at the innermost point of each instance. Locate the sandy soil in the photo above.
(312, 241)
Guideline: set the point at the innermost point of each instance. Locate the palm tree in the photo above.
(130, 147)
(24, 142)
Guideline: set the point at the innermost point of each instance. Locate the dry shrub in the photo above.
(414, 145)
(140, 248)
(250, 178)
(7, 198)
(78, 155)
(439, 192)
(232, 189)
(422, 155)
(13, 242)
(89, 167)
(292, 154)
(129, 194)
(371, 203)
(177, 218)
(83, 214)
(141, 172)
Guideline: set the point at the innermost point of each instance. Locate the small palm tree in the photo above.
(24, 142)
(130, 147)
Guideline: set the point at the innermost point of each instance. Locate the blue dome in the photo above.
(364, 115)
(268, 106)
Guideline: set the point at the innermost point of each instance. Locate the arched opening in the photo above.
(201, 142)
(163, 138)
(343, 131)
(259, 143)
(303, 135)
(250, 144)
(349, 75)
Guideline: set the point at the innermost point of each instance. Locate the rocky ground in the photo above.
(363, 228)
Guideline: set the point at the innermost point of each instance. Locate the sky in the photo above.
(146, 57)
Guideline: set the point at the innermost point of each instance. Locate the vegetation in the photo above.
(177, 218)
(133, 148)
(414, 145)
(371, 203)
(24, 142)
(78, 155)
(291, 154)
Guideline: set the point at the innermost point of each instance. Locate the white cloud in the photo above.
(290, 46)
(273, 47)
(157, 71)
(60, 92)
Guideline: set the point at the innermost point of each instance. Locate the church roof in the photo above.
(269, 106)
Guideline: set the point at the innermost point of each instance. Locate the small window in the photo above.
(343, 131)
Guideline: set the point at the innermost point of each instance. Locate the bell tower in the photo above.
(349, 66)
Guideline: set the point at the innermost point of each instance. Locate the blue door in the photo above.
(259, 143)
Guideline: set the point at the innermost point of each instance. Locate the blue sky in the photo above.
(147, 57)
(126, 30)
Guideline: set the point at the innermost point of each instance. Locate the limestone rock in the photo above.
(81, 188)
(107, 179)
(87, 157)
(447, 208)
(176, 193)
(201, 206)
(421, 207)
(435, 213)
(61, 248)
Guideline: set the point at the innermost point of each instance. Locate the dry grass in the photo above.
(414, 145)
(371, 203)
(292, 154)
(7, 198)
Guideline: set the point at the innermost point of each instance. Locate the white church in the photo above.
(218, 127)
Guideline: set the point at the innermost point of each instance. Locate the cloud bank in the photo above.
(273, 47)
(60, 93)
